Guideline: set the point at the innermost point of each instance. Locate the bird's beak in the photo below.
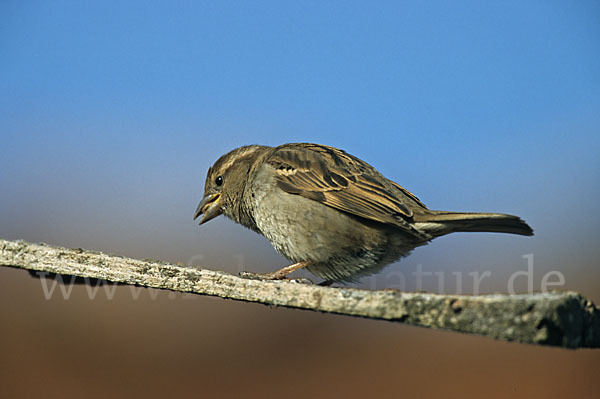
(210, 206)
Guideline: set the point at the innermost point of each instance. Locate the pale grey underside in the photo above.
(338, 246)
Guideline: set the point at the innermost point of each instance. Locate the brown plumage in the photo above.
(329, 211)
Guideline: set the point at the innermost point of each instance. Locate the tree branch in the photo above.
(560, 318)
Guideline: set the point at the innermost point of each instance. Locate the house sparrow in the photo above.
(328, 211)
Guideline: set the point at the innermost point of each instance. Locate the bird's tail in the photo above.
(438, 223)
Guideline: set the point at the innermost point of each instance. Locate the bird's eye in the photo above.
(219, 180)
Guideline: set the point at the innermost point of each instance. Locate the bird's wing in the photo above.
(344, 182)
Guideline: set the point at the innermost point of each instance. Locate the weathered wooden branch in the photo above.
(560, 318)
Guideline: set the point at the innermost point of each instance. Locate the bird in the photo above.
(329, 212)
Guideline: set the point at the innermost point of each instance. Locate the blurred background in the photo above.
(111, 113)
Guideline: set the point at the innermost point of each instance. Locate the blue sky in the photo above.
(111, 113)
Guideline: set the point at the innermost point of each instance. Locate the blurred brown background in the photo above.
(111, 113)
(177, 345)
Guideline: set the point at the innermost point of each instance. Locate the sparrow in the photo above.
(329, 212)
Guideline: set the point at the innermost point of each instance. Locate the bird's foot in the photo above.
(278, 274)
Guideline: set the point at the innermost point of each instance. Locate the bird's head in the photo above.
(225, 182)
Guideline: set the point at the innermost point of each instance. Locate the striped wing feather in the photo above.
(344, 182)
